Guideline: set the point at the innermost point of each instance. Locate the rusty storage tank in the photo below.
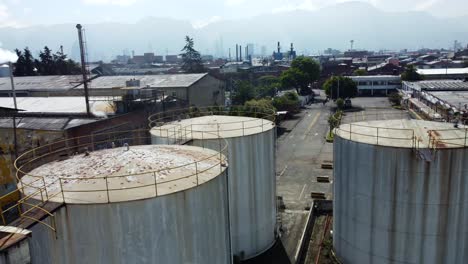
(401, 192)
(251, 156)
(138, 204)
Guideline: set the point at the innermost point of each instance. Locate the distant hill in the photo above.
(312, 31)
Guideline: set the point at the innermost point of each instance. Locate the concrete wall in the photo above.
(252, 191)
(26, 139)
(392, 207)
(208, 91)
(16, 254)
(186, 227)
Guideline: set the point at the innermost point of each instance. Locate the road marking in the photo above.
(302, 192)
(282, 172)
(314, 121)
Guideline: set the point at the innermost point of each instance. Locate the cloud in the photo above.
(7, 56)
(200, 23)
(5, 18)
(426, 5)
(308, 5)
(110, 2)
(234, 2)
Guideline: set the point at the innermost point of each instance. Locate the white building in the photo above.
(375, 85)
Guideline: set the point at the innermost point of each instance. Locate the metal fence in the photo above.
(262, 119)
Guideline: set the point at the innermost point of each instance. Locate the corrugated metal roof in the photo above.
(40, 123)
(53, 82)
(457, 99)
(443, 71)
(154, 81)
(71, 104)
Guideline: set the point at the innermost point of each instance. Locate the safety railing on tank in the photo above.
(446, 138)
(352, 117)
(380, 134)
(41, 189)
(262, 119)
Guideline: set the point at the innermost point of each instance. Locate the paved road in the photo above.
(300, 153)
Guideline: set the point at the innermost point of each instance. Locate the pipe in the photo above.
(83, 68)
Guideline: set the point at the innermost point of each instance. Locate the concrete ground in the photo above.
(301, 149)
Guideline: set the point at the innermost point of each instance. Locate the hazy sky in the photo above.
(199, 12)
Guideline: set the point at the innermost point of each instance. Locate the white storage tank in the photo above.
(400, 192)
(252, 179)
(138, 204)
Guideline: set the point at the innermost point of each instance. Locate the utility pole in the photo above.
(83, 68)
(15, 140)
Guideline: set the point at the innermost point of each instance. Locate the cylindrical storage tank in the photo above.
(400, 192)
(4, 70)
(138, 204)
(252, 179)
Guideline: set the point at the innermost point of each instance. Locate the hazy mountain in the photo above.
(310, 31)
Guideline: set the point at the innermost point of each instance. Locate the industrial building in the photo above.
(400, 192)
(252, 181)
(438, 100)
(444, 73)
(106, 198)
(195, 89)
(377, 85)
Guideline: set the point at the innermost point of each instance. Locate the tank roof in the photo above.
(405, 133)
(118, 174)
(229, 126)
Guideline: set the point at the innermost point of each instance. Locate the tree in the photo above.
(340, 103)
(244, 91)
(347, 87)
(267, 86)
(411, 74)
(302, 73)
(395, 98)
(192, 62)
(46, 65)
(360, 72)
(19, 65)
(264, 105)
(287, 102)
(29, 69)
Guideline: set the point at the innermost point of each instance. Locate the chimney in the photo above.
(240, 53)
(279, 47)
(247, 52)
(237, 52)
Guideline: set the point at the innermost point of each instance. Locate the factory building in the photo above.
(400, 192)
(377, 85)
(252, 180)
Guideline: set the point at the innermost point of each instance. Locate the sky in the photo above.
(23, 13)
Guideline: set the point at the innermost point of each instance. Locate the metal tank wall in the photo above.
(392, 207)
(189, 226)
(252, 190)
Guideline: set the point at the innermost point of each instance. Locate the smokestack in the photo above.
(247, 52)
(237, 52)
(240, 53)
(83, 67)
(292, 47)
(279, 47)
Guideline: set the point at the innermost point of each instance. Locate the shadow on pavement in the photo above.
(275, 255)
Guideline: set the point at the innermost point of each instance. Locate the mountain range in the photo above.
(310, 31)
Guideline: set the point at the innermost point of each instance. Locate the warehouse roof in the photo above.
(442, 85)
(69, 104)
(457, 99)
(53, 82)
(45, 123)
(443, 71)
(154, 81)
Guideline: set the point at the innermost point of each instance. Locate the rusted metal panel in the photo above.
(190, 226)
(391, 206)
